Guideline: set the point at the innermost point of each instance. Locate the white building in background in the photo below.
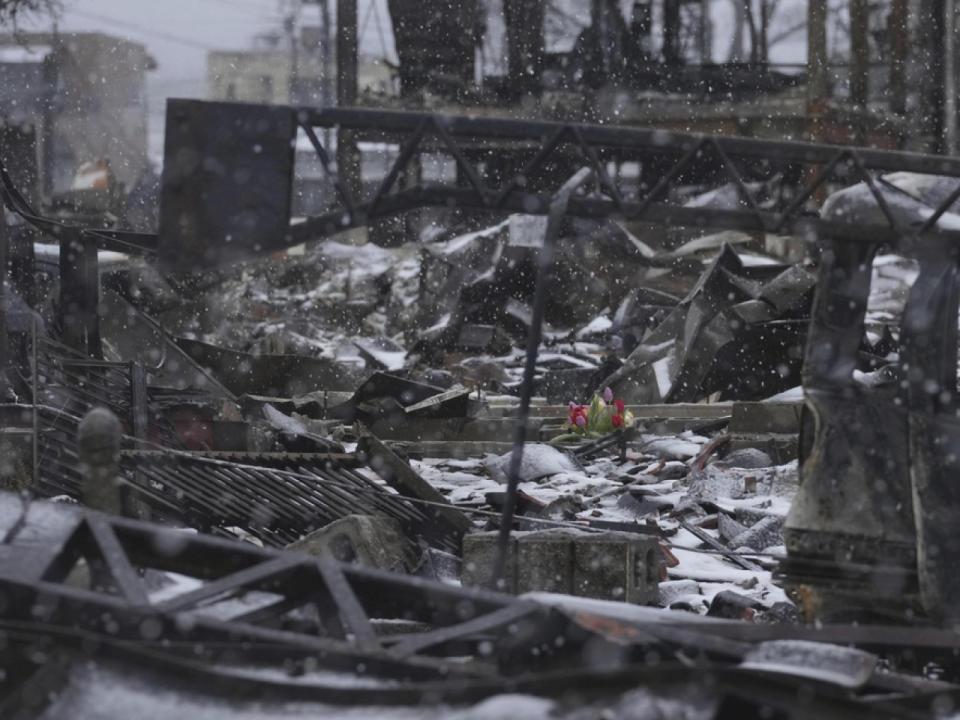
(272, 72)
(84, 97)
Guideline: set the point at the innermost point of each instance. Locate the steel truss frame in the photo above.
(309, 613)
(469, 138)
(306, 606)
(549, 149)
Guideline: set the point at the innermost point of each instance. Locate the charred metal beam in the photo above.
(558, 209)
(385, 123)
(34, 578)
(561, 146)
(522, 645)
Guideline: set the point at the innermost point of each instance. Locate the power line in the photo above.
(159, 34)
(238, 5)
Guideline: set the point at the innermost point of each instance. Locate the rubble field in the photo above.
(339, 437)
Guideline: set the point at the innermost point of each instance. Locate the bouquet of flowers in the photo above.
(601, 417)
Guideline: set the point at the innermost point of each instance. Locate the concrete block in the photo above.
(617, 566)
(729, 528)
(733, 606)
(766, 533)
(479, 553)
(765, 417)
(671, 591)
(370, 540)
(545, 562)
(613, 565)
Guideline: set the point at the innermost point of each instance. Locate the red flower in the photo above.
(578, 415)
(616, 420)
(620, 407)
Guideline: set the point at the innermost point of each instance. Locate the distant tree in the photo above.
(12, 12)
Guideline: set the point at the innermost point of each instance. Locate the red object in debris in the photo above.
(616, 421)
(93, 175)
(701, 462)
(194, 426)
(620, 406)
(530, 499)
(672, 560)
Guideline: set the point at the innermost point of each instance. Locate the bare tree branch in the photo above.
(13, 12)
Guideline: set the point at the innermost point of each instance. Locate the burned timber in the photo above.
(594, 442)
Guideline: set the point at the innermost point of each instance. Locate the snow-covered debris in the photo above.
(857, 205)
(719, 338)
(768, 532)
(283, 423)
(672, 591)
(846, 667)
(747, 458)
(718, 482)
(537, 461)
(728, 528)
(674, 447)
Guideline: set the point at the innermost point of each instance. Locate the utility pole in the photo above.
(859, 52)
(897, 32)
(818, 89)
(327, 86)
(949, 78)
(524, 34)
(290, 25)
(930, 55)
(348, 159)
(4, 349)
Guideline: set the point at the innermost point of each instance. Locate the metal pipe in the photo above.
(625, 141)
(949, 79)
(36, 402)
(558, 209)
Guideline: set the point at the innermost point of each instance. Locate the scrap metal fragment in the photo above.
(405, 480)
(280, 375)
(848, 667)
(731, 555)
(384, 396)
(699, 347)
(369, 540)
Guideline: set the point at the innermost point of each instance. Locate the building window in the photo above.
(266, 88)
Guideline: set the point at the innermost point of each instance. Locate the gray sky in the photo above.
(179, 33)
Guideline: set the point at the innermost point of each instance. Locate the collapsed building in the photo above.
(314, 468)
